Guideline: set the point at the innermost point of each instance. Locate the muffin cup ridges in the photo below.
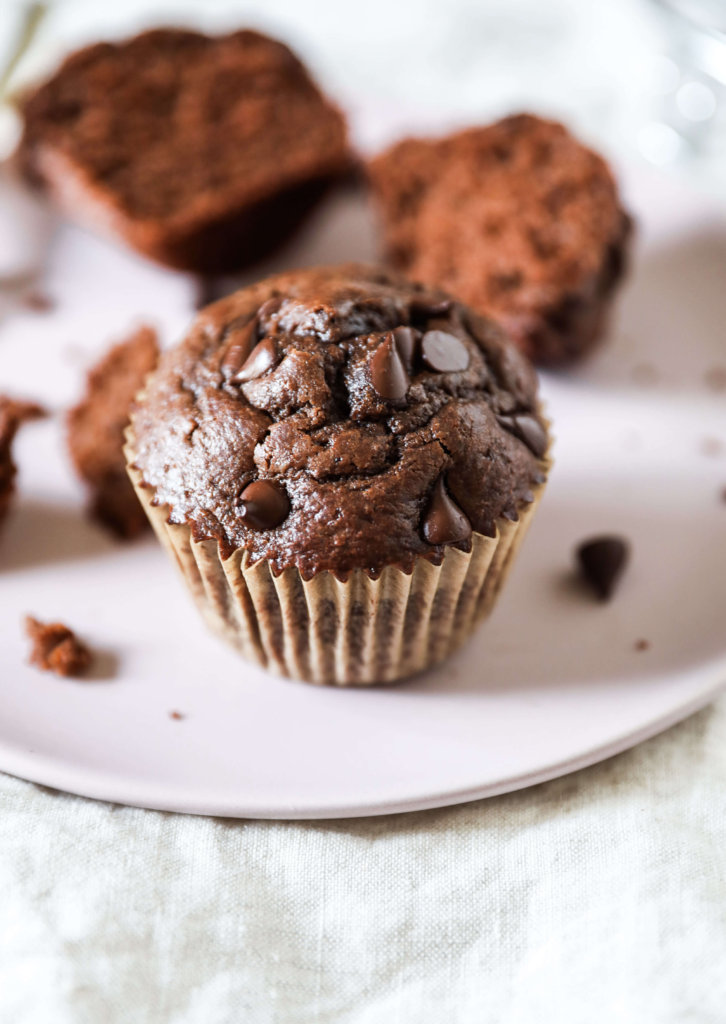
(353, 632)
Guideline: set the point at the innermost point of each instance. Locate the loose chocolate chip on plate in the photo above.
(444, 522)
(602, 562)
(406, 339)
(529, 430)
(262, 357)
(444, 352)
(238, 347)
(264, 504)
(388, 374)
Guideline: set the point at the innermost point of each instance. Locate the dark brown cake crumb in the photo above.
(56, 648)
(715, 378)
(517, 219)
(204, 153)
(13, 414)
(642, 645)
(38, 302)
(96, 431)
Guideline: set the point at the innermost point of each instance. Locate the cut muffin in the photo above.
(342, 464)
(13, 413)
(517, 219)
(96, 431)
(204, 153)
(56, 648)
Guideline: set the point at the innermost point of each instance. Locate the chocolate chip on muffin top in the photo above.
(340, 418)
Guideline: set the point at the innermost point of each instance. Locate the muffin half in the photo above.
(518, 219)
(342, 464)
(204, 153)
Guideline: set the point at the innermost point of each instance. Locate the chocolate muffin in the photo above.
(204, 153)
(96, 432)
(518, 219)
(342, 464)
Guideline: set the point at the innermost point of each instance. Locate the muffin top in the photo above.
(340, 418)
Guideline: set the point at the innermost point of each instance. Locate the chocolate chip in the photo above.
(264, 504)
(406, 339)
(444, 352)
(529, 430)
(602, 562)
(388, 374)
(268, 309)
(427, 307)
(262, 357)
(444, 522)
(238, 347)
(38, 302)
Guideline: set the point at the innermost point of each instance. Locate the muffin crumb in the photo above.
(38, 302)
(56, 648)
(715, 378)
(13, 413)
(96, 431)
(642, 645)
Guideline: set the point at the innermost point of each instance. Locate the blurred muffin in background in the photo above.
(203, 153)
(517, 219)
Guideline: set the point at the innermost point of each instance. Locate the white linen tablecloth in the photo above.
(596, 898)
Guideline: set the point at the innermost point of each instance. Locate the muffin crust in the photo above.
(517, 219)
(323, 386)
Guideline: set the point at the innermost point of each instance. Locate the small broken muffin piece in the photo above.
(96, 431)
(13, 413)
(518, 219)
(56, 648)
(203, 153)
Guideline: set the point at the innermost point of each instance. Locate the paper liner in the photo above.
(354, 632)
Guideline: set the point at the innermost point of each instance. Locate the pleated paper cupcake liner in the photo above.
(353, 632)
